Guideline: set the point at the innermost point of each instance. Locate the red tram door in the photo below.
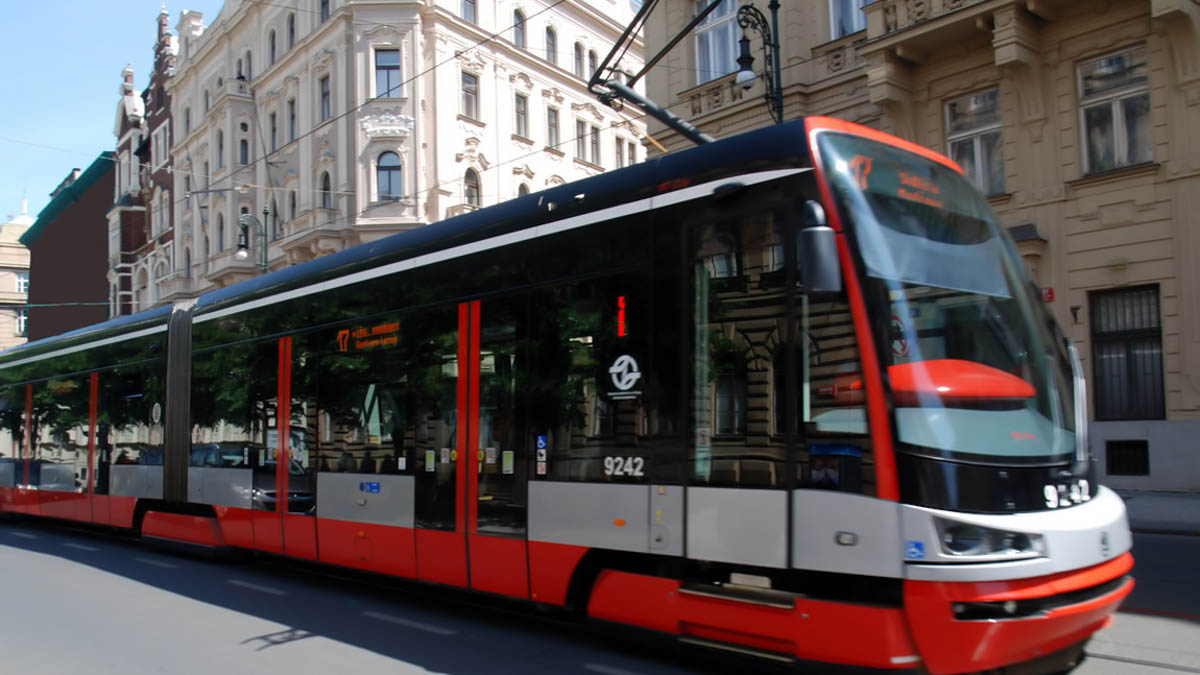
(487, 548)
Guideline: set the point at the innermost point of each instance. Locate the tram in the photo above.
(790, 394)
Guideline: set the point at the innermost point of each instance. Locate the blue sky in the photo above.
(64, 60)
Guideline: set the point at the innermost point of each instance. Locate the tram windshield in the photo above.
(976, 366)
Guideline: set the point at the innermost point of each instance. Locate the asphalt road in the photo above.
(81, 601)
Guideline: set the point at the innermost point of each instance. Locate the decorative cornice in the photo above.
(522, 80)
(386, 124)
(590, 108)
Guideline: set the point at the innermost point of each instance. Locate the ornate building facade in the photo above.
(1077, 118)
(335, 123)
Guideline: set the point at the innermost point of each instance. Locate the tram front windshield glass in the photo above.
(977, 369)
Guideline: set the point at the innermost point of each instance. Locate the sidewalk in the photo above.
(1166, 512)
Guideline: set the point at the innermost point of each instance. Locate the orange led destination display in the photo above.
(381, 335)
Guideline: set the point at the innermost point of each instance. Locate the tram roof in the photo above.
(773, 147)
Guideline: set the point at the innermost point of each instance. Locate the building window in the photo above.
(975, 140)
(387, 73)
(187, 121)
(522, 190)
(273, 123)
(716, 41)
(578, 60)
(326, 191)
(551, 45)
(518, 28)
(22, 322)
(292, 205)
(591, 63)
(22, 282)
(291, 31)
(468, 10)
(220, 149)
(271, 48)
(595, 145)
(521, 113)
(326, 99)
(206, 175)
(470, 95)
(1127, 354)
(581, 132)
(275, 231)
(620, 154)
(389, 176)
(552, 128)
(187, 193)
(730, 403)
(249, 68)
(631, 148)
(471, 187)
(1114, 110)
(220, 232)
(846, 17)
(206, 101)
(324, 10)
(243, 152)
(291, 111)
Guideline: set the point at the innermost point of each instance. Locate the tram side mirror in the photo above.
(820, 271)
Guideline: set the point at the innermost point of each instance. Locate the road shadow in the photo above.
(440, 629)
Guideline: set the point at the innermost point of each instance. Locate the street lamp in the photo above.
(749, 17)
(243, 248)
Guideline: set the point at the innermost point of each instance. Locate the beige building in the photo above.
(1079, 119)
(14, 279)
(339, 122)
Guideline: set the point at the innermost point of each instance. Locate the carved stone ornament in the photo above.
(918, 10)
(385, 34)
(837, 60)
(470, 60)
(323, 59)
(555, 180)
(471, 154)
(386, 124)
(553, 94)
(523, 170)
(522, 80)
(590, 108)
(889, 19)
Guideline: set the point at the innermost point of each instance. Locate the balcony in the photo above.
(176, 286)
(225, 270)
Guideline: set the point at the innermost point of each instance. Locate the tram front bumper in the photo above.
(962, 627)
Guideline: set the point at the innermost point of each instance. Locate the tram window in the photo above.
(60, 433)
(129, 428)
(12, 433)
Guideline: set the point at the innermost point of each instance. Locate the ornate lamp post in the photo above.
(750, 18)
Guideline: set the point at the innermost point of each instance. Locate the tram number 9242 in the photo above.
(1068, 494)
(624, 466)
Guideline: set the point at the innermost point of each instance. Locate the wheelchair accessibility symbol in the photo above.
(914, 550)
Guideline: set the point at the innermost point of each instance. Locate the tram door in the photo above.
(484, 472)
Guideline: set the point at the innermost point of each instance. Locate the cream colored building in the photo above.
(14, 278)
(1080, 119)
(350, 120)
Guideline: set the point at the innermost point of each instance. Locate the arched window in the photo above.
(522, 190)
(389, 176)
(243, 152)
(275, 231)
(551, 45)
(518, 28)
(591, 62)
(471, 187)
(292, 205)
(241, 75)
(326, 192)
(220, 148)
(291, 31)
(271, 48)
(578, 60)
(220, 232)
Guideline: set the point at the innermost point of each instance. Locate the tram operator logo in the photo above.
(625, 375)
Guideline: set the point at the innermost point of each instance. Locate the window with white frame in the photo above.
(389, 176)
(273, 124)
(468, 10)
(521, 115)
(552, 128)
(387, 73)
(551, 45)
(326, 99)
(518, 29)
(1114, 110)
(578, 60)
(22, 322)
(595, 145)
(620, 153)
(975, 139)
(581, 131)
(716, 41)
(846, 17)
(470, 95)
(22, 282)
(471, 187)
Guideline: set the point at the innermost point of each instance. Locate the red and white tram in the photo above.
(790, 394)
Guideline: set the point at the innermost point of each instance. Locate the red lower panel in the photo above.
(121, 510)
(300, 536)
(366, 546)
(550, 570)
(498, 565)
(855, 635)
(268, 531)
(237, 525)
(192, 529)
(100, 510)
(8, 499)
(441, 557)
(55, 504)
(952, 646)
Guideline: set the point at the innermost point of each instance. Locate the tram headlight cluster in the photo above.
(963, 540)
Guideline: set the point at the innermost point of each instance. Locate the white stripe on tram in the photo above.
(87, 345)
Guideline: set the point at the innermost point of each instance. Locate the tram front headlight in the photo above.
(962, 540)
